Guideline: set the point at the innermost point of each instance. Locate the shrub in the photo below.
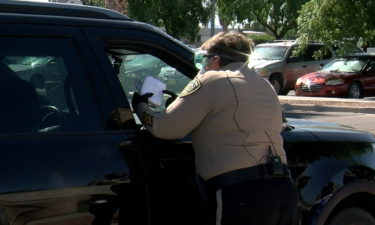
(259, 39)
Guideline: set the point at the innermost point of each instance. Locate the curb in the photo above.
(323, 108)
(327, 105)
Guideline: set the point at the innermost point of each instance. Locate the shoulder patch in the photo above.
(147, 119)
(192, 87)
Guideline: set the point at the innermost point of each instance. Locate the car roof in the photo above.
(18, 11)
(59, 9)
(359, 55)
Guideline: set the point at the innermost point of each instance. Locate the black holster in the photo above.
(198, 183)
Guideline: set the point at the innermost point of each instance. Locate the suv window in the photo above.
(292, 58)
(43, 87)
(311, 49)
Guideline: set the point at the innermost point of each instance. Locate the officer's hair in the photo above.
(233, 44)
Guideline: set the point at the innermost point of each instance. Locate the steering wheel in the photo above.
(60, 115)
(170, 99)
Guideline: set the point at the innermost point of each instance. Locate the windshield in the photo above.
(143, 60)
(269, 52)
(351, 65)
(32, 60)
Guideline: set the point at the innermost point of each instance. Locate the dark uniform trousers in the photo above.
(257, 202)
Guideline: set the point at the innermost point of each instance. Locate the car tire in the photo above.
(353, 216)
(355, 90)
(276, 84)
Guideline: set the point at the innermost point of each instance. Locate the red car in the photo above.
(352, 76)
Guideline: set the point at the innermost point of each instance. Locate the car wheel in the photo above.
(355, 90)
(276, 84)
(353, 216)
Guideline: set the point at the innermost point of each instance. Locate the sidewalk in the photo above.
(321, 104)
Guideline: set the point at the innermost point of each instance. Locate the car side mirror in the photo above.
(370, 70)
(292, 59)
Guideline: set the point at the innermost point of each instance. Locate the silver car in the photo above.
(275, 62)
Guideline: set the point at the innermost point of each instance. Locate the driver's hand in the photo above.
(170, 99)
(140, 98)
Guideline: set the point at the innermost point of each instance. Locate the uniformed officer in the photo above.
(235, 120)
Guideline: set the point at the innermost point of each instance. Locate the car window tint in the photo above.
(296, 58)
(328, 55)
(311, 49)
(309, 54)
(43, 87)
(371, 65)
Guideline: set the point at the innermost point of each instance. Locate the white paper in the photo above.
(155, 86)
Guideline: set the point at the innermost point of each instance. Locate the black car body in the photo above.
(73, 153)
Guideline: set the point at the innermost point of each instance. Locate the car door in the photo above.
(159, 169)
(313, 64)
(59, 161)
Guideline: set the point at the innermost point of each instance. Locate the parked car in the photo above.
(352, 76)
(275, 62)
(173, 78)
(72, 152)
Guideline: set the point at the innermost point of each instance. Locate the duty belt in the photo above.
(259, 172)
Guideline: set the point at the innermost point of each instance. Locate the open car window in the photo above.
(134, 67)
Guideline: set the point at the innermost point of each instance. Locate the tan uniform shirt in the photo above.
(233, 115)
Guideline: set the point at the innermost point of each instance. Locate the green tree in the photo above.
(181, 18)
(337, 23)
(277, 16)
(98, 3)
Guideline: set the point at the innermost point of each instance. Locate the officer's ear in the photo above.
(216, 62)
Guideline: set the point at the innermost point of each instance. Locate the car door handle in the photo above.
(304, 66)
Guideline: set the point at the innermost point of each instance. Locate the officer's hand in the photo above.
(170, 99)
(138, 99)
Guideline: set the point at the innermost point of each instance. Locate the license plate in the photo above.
(172, 82)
